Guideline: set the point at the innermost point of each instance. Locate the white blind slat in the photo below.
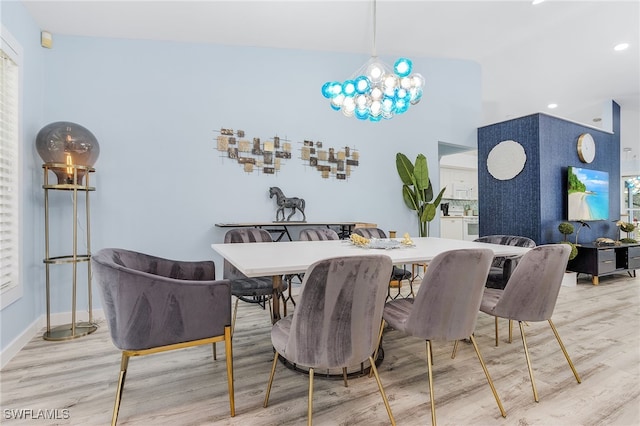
(9, 167)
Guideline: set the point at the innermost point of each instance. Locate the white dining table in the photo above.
(294, 257)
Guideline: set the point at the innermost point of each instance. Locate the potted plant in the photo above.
(628, 228)
(417, 191)
(567, 228)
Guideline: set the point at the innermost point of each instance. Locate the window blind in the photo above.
(9, 167)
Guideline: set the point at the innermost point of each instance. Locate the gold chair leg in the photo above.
(384, 396)
(235, 312)
(344, 377)
(486, 373)
(375, 354)
(433, 400)
(455, 349)
(496, 320)
(526, 354)
(564, 351)
(510, 331)
(273, 372)
(310, 402)
(124, 363)
(229, 354)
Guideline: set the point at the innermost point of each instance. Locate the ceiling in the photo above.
(531, 55)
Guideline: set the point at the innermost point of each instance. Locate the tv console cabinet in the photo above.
(605, 260)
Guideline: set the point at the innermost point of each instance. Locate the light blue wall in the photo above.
(162, 185)
(18, 316)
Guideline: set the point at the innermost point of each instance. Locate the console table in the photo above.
(605, 260)
(280, 229)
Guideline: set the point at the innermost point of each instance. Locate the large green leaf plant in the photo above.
(417, 190)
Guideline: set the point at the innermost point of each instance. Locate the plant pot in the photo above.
(570, 279)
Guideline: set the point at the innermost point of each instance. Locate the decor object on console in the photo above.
(293, 203)
(628, 228)
(64, 144)
(375, 91)
(582, 225)
(257, 155)
(565, 229)
(417, 190)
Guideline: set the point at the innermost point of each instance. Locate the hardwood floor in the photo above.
(600, 326)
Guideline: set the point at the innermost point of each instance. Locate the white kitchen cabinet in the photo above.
(446, 181)
(451, 227)
(460, 183)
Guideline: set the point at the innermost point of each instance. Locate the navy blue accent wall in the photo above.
(533, 203)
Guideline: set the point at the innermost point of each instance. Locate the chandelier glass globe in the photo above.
(376, 91)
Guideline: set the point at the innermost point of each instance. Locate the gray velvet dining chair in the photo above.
(503, 266)
(397, 274)
(308, 234)
(531, 295)
(445, 307)
(258, 290)
(336, 322)
(318, 234)
(155, 305)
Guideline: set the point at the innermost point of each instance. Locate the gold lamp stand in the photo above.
(70, 178)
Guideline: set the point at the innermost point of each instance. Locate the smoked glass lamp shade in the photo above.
(67, 144)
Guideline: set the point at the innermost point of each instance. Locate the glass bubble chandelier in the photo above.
(376, 91)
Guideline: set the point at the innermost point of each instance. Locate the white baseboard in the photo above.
(36, 327)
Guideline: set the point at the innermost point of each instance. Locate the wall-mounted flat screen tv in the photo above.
(588, 194)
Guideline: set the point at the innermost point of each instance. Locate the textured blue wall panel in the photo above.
(510, 206)
(533, 203)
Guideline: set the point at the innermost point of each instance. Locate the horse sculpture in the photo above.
(289, 203)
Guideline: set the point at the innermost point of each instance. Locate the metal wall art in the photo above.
(253, 155)
(330, 162)
(267, 156)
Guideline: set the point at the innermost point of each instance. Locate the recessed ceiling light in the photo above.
(621, 46)
(534, 2)
(552, 106)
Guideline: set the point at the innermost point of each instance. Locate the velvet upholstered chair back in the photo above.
(506, 240)
(448, 300)
(318, 234)
(151, 301)
(339, 312)
(370, 232)
(243, 235)
(532, 290)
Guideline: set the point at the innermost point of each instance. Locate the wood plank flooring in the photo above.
(600, 326)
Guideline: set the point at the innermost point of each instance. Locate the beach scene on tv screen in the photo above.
(588, 192)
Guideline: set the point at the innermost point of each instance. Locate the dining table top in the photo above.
(294, 257)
